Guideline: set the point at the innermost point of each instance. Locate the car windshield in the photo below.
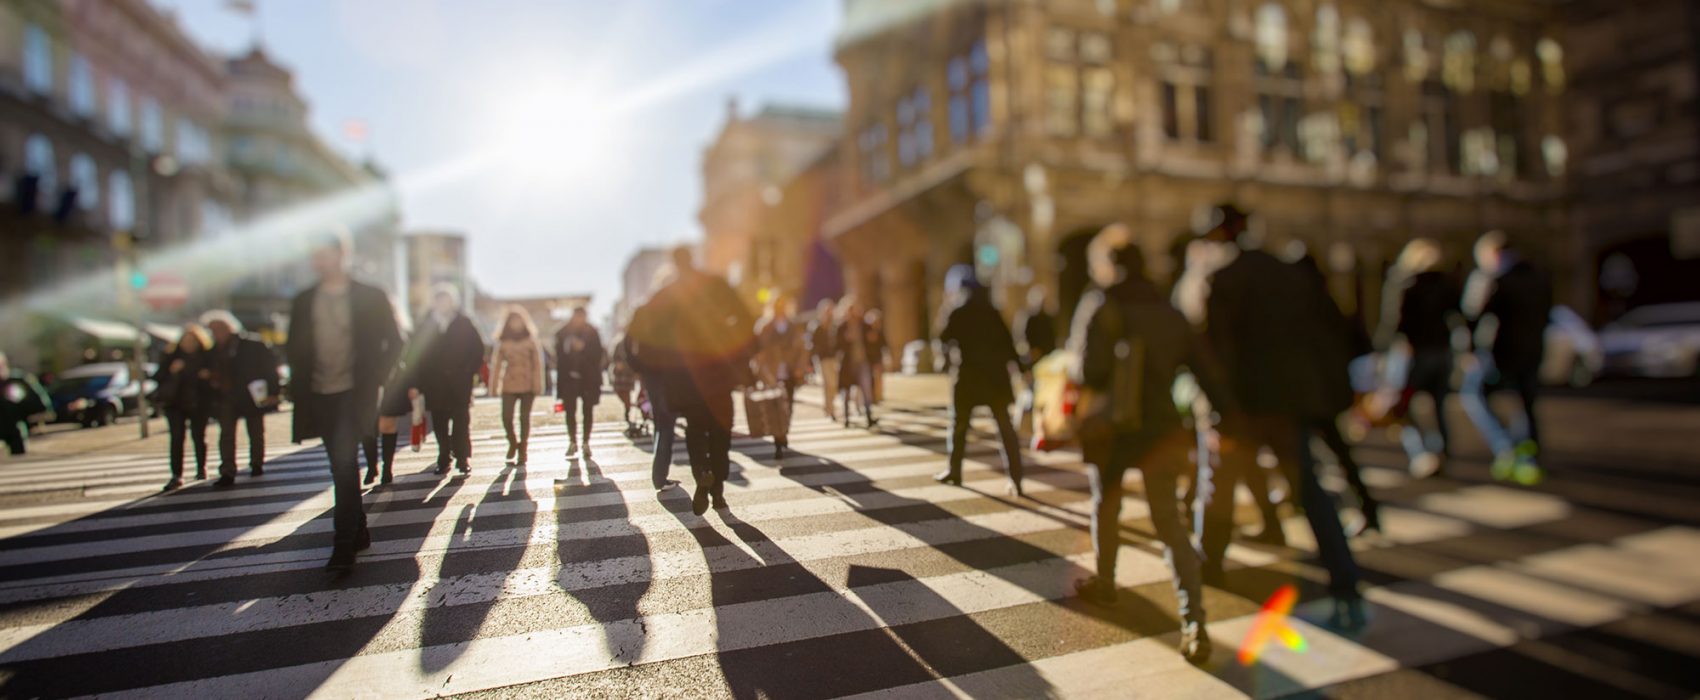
(81, 385)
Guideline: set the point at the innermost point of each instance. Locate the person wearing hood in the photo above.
(985, 353)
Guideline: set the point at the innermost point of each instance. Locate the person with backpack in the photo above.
(1131, 344)
(985, 351)
(1276, 333)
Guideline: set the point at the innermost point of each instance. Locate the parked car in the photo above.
(1573, 354)
(96, 394)
(1659, 340)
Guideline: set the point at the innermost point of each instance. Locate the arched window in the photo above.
(123, 208)
(1417, 61)
(1271, 35)
(82, 86)
(38, 161)
(86, 178)
(118, 106)
(38, 60)
(1458, 63)
(1325, 42)
(1551, 56)
(1358, 45)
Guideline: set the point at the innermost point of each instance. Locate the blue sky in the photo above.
(474, 107)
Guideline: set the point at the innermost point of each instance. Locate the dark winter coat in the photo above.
(1038, 333)
(579, 359)
(985, 350)
(782, 353)
(448, 362)
(186, 390)
(694, 340)
(872, 340)
(1421, 308)
(377, 343)
(235, 364)
(1279, 337)
(1519, 302)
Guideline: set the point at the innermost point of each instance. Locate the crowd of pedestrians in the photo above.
(1260, 338)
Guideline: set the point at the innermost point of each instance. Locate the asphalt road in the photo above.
(841, 570)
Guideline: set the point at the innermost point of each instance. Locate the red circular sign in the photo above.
(165, 290)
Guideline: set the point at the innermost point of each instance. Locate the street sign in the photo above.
(165, 290)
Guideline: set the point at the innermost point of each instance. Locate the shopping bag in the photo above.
(416, 437)
(767, 412)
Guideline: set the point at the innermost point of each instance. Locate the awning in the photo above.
(111, 332)
(169, 334)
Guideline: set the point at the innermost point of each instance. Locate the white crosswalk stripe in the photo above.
(574, 570)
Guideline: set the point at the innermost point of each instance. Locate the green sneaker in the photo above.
(1504, 465)
(1527, 449)
(1528, 473)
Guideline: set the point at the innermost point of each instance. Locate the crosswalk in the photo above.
(841, 570)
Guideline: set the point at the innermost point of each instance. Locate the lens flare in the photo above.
(1272, 625)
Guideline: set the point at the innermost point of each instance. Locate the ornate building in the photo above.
(1633, 109)
(279, 165)
(108, 120)
(1005, 132)
(744, 173)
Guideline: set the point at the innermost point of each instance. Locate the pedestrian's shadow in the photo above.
(801, 664)
(445, 626)
(587, 567)
(39, 668)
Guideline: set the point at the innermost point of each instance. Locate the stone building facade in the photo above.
(1634, 115)
(1004, 133)
(109, 116)
(744, 172)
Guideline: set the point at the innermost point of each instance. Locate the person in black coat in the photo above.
(1508, 303)
(21, 396)
(186, 397)
(343, 344)
(1420, 310)
(453, 352)
(238, 361)
(696, 340)
(981, 372)
(579, 359)
(1275, 332)
(1038, 327)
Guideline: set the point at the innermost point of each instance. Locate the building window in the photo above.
(876, 164)
(1416, 56)
(38, 60)
(1171, 112)
(194, 147)
(152, 126)
(1270, 33)
(1516, 158)
(970, 93)
(914, 128)
(39, 161)
(1280, 103)
(1325, 42)
(1358, 47)
(118, 107)
(1202, 129)
(1551, 56)
(1458, 62)
(1096, 101)
(82, 86)
(86, 179)
(1062, 96)
(1440, 115)
(1554, 152)
(123, 206)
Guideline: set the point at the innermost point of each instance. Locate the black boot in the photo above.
(389, 448)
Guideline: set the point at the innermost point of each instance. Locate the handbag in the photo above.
(767, 412)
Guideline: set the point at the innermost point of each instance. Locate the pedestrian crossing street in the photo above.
(842, 570)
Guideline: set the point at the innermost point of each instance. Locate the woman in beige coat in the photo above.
(518, 372)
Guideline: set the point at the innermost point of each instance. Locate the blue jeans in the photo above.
(1482, 381)
(1289, 438)
(341, 434)
(665, 421)
(1161, 461)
